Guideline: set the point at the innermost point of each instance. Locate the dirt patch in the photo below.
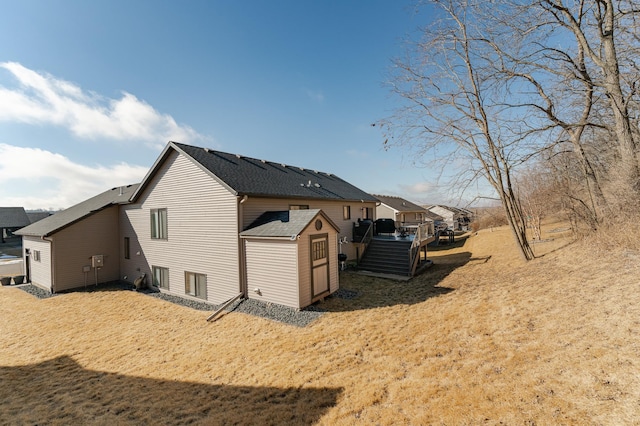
(482, 337)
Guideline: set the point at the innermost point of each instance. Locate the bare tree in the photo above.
(455, 104)
(601, 29)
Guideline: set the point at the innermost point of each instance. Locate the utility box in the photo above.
(97, 261)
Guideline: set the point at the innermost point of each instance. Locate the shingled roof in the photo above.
(64, 218)
(399, 204)
(249, 176)
(276, 224)
(13, 217)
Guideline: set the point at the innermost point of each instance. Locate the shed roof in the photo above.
(64, 218)
(249, 176)
(288, 223)
(13, 217)
(399, 204)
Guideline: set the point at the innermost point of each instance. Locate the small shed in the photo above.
(291, 257)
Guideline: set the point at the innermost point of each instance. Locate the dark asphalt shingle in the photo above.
(254, 177)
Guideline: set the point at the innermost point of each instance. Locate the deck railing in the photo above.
(422, 233)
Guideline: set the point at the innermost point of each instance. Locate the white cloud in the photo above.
(43, 99)
(423, 192)
(315, 95)
(57, 181)
(418, 188)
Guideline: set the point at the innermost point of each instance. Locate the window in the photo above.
(127, 252)
(346, 212)
(367, 213)
(159, 224)
(195, 285)
(319, 250)
(36, 255)
(298, 207)
(160, 277)
(419, 217)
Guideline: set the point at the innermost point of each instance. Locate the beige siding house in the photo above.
(404, 213)
(78, 246)
(189, 227)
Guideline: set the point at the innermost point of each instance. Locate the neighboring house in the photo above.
(35, 216)
(436, 218)
(403, 212)
(449, 219)
(59, 250)
(190, 226)
(12, 219)
(455, 218)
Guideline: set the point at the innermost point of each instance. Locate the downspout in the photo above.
(53, 269)
(242, 264)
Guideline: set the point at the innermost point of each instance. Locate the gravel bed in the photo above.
(253, 307)
(271, 311)
(35, 291)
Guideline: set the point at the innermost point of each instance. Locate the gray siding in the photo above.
(40, 271)
(95, 235)
(254, 207)
(202, 230)
(272, 267)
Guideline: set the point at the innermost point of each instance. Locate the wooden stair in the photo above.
(387, 257)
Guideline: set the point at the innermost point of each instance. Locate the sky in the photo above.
(92, 91)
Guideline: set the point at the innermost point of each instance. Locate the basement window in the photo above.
(160, 277)
(195, 285)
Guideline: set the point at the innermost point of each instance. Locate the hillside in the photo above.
(480, 338)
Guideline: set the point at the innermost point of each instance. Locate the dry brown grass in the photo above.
(480, 338)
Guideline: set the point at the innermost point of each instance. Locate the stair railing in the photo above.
(422, 233)
(366, 239)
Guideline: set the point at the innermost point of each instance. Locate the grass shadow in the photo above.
(554, 250)
(369, 292)
(60, 391)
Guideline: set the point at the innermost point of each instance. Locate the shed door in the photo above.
(319, 264)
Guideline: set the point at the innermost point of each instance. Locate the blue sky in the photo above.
(91, 91)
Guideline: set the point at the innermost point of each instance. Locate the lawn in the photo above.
(480, 338)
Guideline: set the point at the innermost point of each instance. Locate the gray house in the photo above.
(194, 226)
(11, 219)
